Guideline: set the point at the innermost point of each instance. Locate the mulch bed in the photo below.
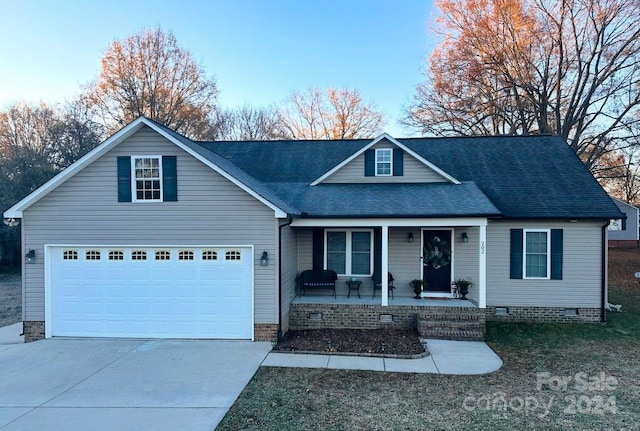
(358, 341)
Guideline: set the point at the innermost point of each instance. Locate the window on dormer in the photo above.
(384, 162)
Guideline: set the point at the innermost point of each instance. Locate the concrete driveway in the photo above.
(106, 384)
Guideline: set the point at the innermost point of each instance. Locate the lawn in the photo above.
(10, 298)
(555, 377)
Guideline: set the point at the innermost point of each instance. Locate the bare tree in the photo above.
(150, 74)
(567, 67)
(250, 124)
(334, 114)
(624, 177)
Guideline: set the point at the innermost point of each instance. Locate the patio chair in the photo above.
(377, 284)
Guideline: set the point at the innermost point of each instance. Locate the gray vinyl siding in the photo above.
(630, 233)
(305, 249)
(414, 171)
(582, 262)
(210, 211)
(466, 258)
(289, 271)
(404, 259)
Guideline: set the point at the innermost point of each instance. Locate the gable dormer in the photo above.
(385, 160)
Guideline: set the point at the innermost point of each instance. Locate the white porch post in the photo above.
(385, 265)
(482, 276)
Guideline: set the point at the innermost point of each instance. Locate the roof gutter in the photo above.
(289, 221)
(603, 270)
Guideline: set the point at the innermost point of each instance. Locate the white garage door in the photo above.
(155, 292)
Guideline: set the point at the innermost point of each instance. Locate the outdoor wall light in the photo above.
(30, 256)
(410, 238)
(465, 237)
(264, 260)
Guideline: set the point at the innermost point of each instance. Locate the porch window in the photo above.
(348, 252)
(537, 254)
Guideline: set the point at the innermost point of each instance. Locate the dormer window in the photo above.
(384, 162)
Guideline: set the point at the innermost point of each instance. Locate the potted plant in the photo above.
(417, 285)
(463, 286)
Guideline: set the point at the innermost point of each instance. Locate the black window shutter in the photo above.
(377, 251)
(169, 179)
(318, 249)
(398, 162)
(624, 224)
(370, 163)
(556, 254)
(516, 253)
(124, 179)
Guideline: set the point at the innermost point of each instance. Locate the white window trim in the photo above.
(524, 253)
(348, 250)
(390, 151)
(133, 179)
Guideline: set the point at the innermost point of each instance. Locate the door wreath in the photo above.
(437, 253)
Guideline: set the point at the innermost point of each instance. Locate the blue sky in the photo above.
(258, 51)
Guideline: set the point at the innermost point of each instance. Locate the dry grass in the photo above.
(10, 298)
(311, 399)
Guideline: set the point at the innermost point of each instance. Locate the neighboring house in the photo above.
(623, 232)
(154, 235)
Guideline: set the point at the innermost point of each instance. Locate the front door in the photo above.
(436, 252)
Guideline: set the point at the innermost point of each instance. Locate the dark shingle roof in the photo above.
(512, 176)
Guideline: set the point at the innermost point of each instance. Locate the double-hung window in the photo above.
(147, 178)
(384, 162)
(349, 252)
(537, 253)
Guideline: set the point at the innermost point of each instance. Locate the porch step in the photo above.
(452, 325)
(450, 334)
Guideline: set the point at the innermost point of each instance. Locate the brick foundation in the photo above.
(337, 316)
(544, 314)
(33, 331)
(265, 331)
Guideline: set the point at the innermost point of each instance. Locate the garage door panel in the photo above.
(151, 298)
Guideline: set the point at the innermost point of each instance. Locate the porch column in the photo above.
(482, 276)
(385, 265)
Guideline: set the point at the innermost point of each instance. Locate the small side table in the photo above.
(354, 285)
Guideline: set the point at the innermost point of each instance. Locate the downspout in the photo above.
(603, 270)
(290, 220)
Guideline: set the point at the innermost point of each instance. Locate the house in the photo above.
(154, 235)
(623, 232)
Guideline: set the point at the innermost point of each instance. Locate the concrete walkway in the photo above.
(446, 357)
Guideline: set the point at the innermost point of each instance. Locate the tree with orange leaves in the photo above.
(149, 74)
(563, 67)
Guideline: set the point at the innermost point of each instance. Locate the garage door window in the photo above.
(116, 255)
(163, 255)
(209, 255)
(92, 255)
(69, 255)
(185, 255)
(232, 255)
(138, 255)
